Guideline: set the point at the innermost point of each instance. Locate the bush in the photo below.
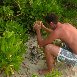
(6, 12)
(36, 10)
(26, 12)
(11, 50)
(17, 28)
(69, 13)
(54, 73)
(12, 38)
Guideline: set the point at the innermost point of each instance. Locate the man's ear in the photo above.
(51, 23)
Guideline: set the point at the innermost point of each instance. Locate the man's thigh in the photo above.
(52, 49)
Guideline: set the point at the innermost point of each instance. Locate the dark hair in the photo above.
(51, 18)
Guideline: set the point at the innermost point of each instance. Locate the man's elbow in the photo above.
(40, 44)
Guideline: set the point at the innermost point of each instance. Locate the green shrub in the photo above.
(37, 9)
(2, 26)
(6, 12)
(12, 38)
(13, 26)
(69, 13)
(11, 50)
(17, 28)
(26, 12)
(34, 75)
(54, 73)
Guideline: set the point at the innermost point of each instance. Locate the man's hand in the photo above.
(42, 26)
(37, 25)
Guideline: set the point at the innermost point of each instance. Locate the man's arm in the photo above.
(42, 42)
(39, 37)
(46, 29)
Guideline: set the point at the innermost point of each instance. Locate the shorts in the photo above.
(67, 57)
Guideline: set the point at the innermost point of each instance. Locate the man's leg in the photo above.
(51, 51)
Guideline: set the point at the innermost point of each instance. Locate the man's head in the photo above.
(52, 20)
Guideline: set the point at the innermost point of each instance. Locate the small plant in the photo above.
(34, 75)
(53, 73)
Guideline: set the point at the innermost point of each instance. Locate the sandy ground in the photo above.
(34, 60)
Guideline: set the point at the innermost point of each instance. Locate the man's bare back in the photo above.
(68, 34)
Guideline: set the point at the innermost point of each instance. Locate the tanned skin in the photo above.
(65, 32)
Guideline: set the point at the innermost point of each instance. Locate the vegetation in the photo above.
(11, 50)
(54, 73)
(16, 21)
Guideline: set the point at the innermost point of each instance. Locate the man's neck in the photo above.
(58, 24)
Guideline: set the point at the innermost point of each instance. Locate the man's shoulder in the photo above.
(67, 24)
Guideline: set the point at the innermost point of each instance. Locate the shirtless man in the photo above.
(65, 32)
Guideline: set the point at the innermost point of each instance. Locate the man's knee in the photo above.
(48, 47)
(52, 49)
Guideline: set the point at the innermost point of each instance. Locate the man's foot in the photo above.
(44, 71)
